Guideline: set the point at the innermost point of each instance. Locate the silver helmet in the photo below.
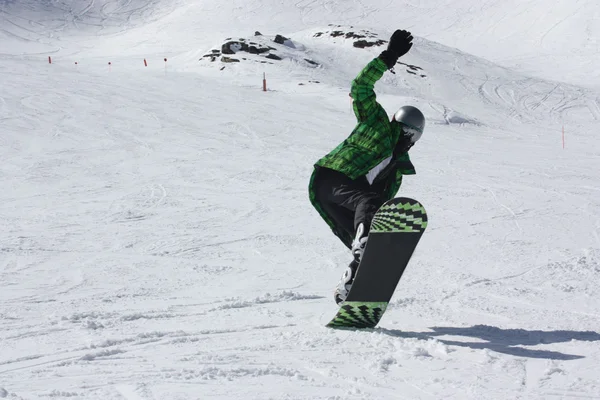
(413, 122)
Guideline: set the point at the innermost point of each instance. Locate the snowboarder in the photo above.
(350, 183)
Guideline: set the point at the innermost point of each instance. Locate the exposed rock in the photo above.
(273, 57)
(280, 39)
(352, 35)
(361, 39)
(257, 47)
(361, 44)
(257, 50)
(233, 47)
(361, 36)
(212, 56)
(226, 48)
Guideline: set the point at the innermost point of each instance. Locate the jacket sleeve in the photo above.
(365, 102)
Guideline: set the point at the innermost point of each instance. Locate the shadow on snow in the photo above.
(504, 340)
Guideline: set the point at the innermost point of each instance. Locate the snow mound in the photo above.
(454, 117)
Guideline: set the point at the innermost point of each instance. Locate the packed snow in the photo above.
(158, 241)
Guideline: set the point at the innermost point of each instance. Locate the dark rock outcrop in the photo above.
(280, 39)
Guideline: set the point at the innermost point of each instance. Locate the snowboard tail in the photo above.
(395, 232)
(356, 314)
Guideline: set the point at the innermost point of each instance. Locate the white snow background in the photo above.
(157, 239)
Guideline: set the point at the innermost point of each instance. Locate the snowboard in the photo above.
(395, 232)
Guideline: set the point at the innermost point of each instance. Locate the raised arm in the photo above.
(365, 101)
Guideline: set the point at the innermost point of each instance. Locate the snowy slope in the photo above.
(554, 42)
(158, 241)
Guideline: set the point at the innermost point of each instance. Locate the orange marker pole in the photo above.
(264, 82)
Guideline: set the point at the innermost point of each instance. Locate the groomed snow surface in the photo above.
(157, 239)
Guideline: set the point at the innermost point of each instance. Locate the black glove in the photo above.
(400, 44)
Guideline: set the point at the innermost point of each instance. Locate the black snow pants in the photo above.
(347, 202)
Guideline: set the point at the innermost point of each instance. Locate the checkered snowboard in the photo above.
(394, 235)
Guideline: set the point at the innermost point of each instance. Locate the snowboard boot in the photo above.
(345, 284)
(359, 243)
(343, 287)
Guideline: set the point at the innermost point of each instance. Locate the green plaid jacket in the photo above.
(372, 141)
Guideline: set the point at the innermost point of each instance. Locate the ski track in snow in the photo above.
(158, 240)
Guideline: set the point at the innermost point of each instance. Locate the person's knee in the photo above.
(373, 200)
